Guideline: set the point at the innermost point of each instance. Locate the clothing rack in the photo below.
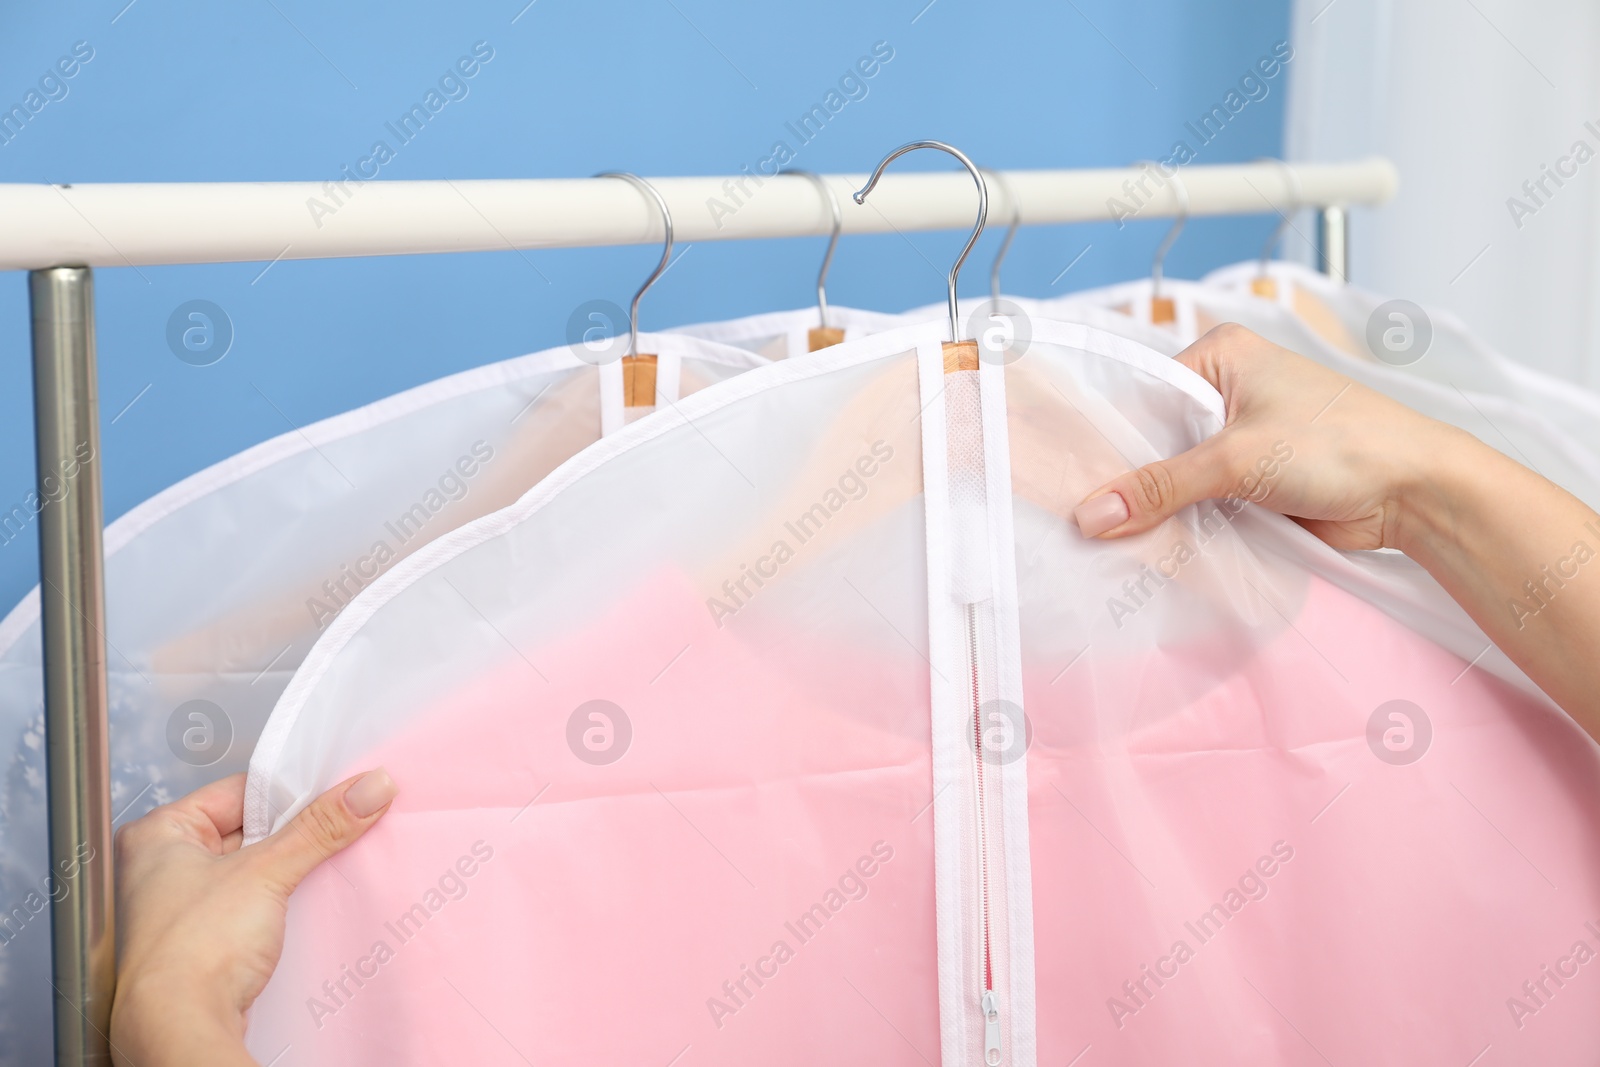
(144, 225)
(59, 233)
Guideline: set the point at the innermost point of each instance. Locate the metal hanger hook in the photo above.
(1005, 245)
(1296, 200)
(833, 242)
(666, 250)
(1158, 263)
(860, 197)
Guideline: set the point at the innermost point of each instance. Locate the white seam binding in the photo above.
(950, 891)
(613, 405)
(1008, 662)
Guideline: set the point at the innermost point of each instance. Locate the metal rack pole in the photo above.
(72, 617)
(1333, 242)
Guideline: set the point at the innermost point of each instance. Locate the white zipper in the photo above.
(988, 1000)
(991, 1029)
(973, 863)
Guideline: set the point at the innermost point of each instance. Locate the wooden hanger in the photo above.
(1057, 453)
(959, 355)
(1308, 307)
(639, 381)
(822, 335)
(1263, 284)
(1164, 310)
(819, 337)
(639, 369)
(1057, 456)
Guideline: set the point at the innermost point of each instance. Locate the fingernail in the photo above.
(369, 793)
(1102, 513)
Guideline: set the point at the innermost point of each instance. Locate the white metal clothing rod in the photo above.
(150, 224)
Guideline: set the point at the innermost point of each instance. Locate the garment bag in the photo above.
(857, 752)
(1429, 343)
(217, 587)
(1504, 420)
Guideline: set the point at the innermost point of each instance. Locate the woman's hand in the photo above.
(1519, 553)
(1343, 459)
(200, 920)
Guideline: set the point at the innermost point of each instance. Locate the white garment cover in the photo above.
(217, 587)
(712, 748)
(1509, 413)
(1441, 348)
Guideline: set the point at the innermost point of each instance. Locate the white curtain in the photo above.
(1491, 111)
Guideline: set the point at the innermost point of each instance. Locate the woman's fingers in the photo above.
(1140, 499)
(205, 817)
(1134, 502)
(328, 824)
(1205, 356)
(221, 802)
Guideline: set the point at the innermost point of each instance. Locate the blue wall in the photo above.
(179, 90)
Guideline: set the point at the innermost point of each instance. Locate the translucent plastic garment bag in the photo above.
(217, 588)
(675, 714)
(1504, 419)
(1428, 343)
(855, 751)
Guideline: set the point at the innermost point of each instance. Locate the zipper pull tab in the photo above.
(991, 1029)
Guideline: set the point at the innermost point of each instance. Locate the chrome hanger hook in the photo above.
(833, 242)
(860, 197)
(1291, 185)
(1158, 263)
(666, 250)
(1005, 245)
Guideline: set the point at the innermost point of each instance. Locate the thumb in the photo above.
(1140, 499)
(327, 825)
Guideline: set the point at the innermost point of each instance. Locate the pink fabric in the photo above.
(1406, 905)
(600, 923)
(1200, 785)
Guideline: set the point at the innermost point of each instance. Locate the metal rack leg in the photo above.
(72, 613)
(1333, 242)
